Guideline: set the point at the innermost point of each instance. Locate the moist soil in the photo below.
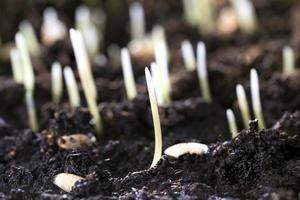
(257, 164)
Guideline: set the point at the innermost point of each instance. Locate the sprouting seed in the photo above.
(188, 55)
(255, 95)
(72, 87)
(128, 74)
(156, 120)
(243, 104)
(137, 21)
(231, 123)
(52, 28)
(16, 64)
(27, 31)
(288, 58)
(66, 181)
(156, 78)
(246, 15)
(33, 124)
(87, 80)
(56, 82)
(202, 72)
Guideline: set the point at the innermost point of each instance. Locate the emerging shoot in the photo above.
(137, 21)
(33, 124)
(246, 16)
(243, 104)
(16, 63)
(66, 181)
(156, 120)
(128, 74)
(231, 123)
(72, 87)
(87, 80)
(27, 31)
(255, 95)
(57, 82)
(188, 55)
(202, 72)
(52, 28)
(288, 60)
(156, 74)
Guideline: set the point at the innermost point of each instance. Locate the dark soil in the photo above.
(257, 164)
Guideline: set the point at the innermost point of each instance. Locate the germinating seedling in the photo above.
(57, 82)
(243, 104)
(156, 74)
(255, 95)
(288, 58)
(16, 64)
(137, 21)
(188, 56)
(128, 74)
(202, 72)
(72, 87)
(156, 120)
(27, 31)
(231, 123)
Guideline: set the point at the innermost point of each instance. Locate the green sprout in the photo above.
(288, 58)
(246, 16)
(255, 95)
(137, 21)
(202, 72)
(57, 82)
(87, 80)
(231, 123)
(16, 63)
(30, 37)
(128, 74)
(243, 104)
(156, 120)
(188, 56)
(72, 87)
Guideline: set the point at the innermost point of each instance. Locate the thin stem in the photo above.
(288, 60)
(188, 55)
(243, 104)
(231, 123)
(128, 74)
(57, 82)
(72, 87)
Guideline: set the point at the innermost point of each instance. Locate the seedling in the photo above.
(188, 56)
(66, 181)
(87, 80)
(180, 149)
(16, 63)
(156, 120)
(246, 16)
(72, 87)
(243, 104)
(255, 95)
(137, 21)
(288, 58)
(155, 72)
(52, 28)
(74, 141)
(231, 123)
(128, 74)
(27, 31)
(189, 8)
(57, 82)
(202, 72)
(33, 124)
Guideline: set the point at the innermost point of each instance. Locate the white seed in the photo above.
(66, 181)
(180, 149)
(73, 141)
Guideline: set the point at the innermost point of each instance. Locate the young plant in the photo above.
(156, 120)
(202, 72)
(16, 63)
(33, 124)
(231, 123)
(52, 28)
(188, 56)
(255, 95)
(128, 74)
(72, 87)
(27, 31)
(87, 80)
(246, 16)
(57, 82)
(243, 104)
(137, 21)
(288, 58)
(156, 74)
(189, 11)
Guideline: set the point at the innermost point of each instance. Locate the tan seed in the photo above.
(66, 181)
(73, 141)
(186, 148)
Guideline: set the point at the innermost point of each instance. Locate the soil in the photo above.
(257, 164)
